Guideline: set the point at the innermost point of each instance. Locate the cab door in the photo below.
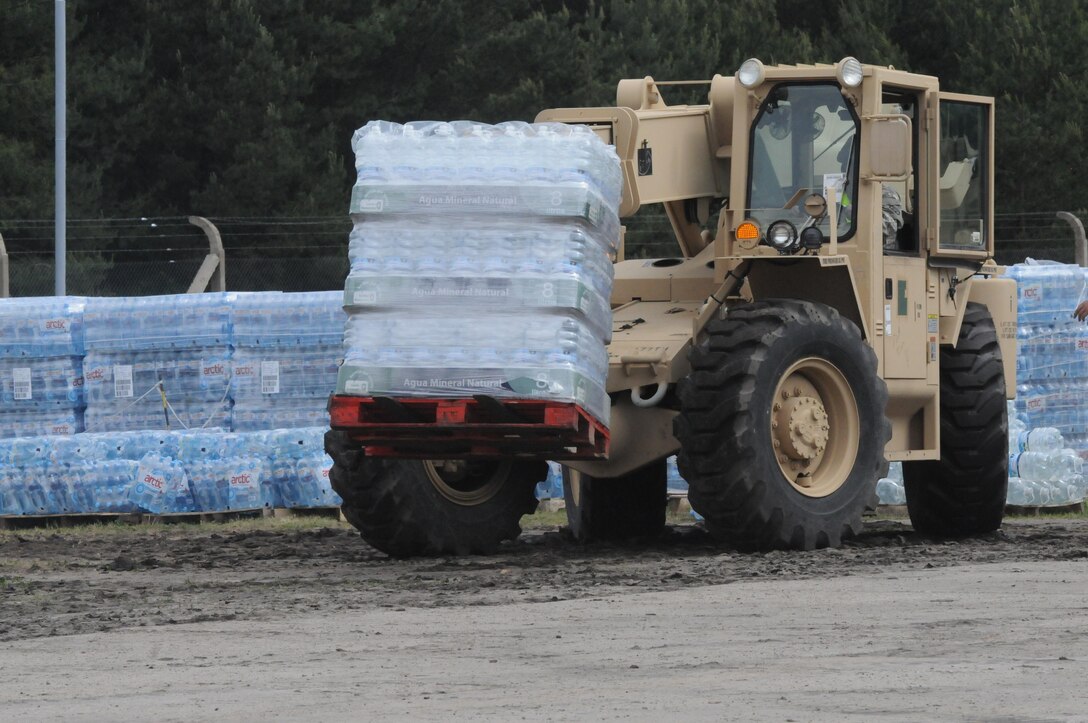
(964, 191)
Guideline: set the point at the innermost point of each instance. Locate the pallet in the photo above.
(27, 522)
(481, 427)
(203, 517)
(332, 513)
(1031, 511)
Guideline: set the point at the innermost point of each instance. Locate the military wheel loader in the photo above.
(832, 305)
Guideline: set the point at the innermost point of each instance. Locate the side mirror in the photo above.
(889, 142)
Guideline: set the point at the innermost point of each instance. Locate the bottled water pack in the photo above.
(41, 383)
(141, 323)
(541, 169)
(481, 262)
(675, 484)
(551, 487)
(275, 319)
(164, 472)
(889, 490)
(123, 388)
(41, 327)
(417, 352)
(287, 352)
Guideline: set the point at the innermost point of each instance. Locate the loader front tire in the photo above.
(409, 507)
(782, 426)
(964, 492)
(616, 508)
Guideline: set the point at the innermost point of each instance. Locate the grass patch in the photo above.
(115, 529)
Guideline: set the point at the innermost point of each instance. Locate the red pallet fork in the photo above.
(479, 427)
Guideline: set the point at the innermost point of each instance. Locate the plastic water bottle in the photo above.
(1032, 466)
(890, 493)
(152, 479)
(10, 492)
(1019, 492)
(1041, 439)
(244, 476)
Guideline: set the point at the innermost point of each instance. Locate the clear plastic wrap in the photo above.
(273, 318)
(481, 262)
(533, 354)
(29, 383)
(138, 323)
(41, 326)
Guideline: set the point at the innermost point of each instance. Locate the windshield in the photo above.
(804, 141)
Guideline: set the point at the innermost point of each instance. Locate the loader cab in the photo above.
(804, 140)
(869, 138)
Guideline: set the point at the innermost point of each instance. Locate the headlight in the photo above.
(783, 236)
(850, 72)
(812, 238)
(751, 73)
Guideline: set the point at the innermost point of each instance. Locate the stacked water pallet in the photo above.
(481, 262)
(287, 350)
(41, 369)
(158, 362)
(164, 472)
(1048, 422)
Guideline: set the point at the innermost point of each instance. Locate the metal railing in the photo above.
(5, 271)
(134, 257)
(214, 268)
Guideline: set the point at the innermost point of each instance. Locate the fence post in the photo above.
(5, 287)
(214, 269)
(1080, 251)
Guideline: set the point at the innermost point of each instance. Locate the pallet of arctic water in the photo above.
(164, 472)
(156, 362)
(41, 366)
(1052, 350)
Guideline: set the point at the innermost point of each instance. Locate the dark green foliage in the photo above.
(246, 108)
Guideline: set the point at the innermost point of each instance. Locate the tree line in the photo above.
(246, 107)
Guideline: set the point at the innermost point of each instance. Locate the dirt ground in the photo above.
(83, 580)
(100, 586)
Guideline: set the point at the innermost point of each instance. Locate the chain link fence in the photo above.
(143, 256)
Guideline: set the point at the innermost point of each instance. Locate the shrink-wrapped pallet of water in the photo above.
(287, 352)
(157, 362)
(41, 366)
(164, 472)
(481, 262)
(1052, 350)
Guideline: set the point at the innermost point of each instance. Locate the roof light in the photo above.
(850, 72)
(751, 73)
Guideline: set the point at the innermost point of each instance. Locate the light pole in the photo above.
(60, 101)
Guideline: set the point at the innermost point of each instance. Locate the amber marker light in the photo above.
(748, 231)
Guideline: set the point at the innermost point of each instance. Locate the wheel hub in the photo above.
(814, 427)
(802, 429)
(465, 482)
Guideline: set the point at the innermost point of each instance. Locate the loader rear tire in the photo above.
(616, 508)
(409, 507)
(964, 492)
(782, 426)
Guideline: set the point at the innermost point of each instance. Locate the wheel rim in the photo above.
(466, 482)
(815, 427)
